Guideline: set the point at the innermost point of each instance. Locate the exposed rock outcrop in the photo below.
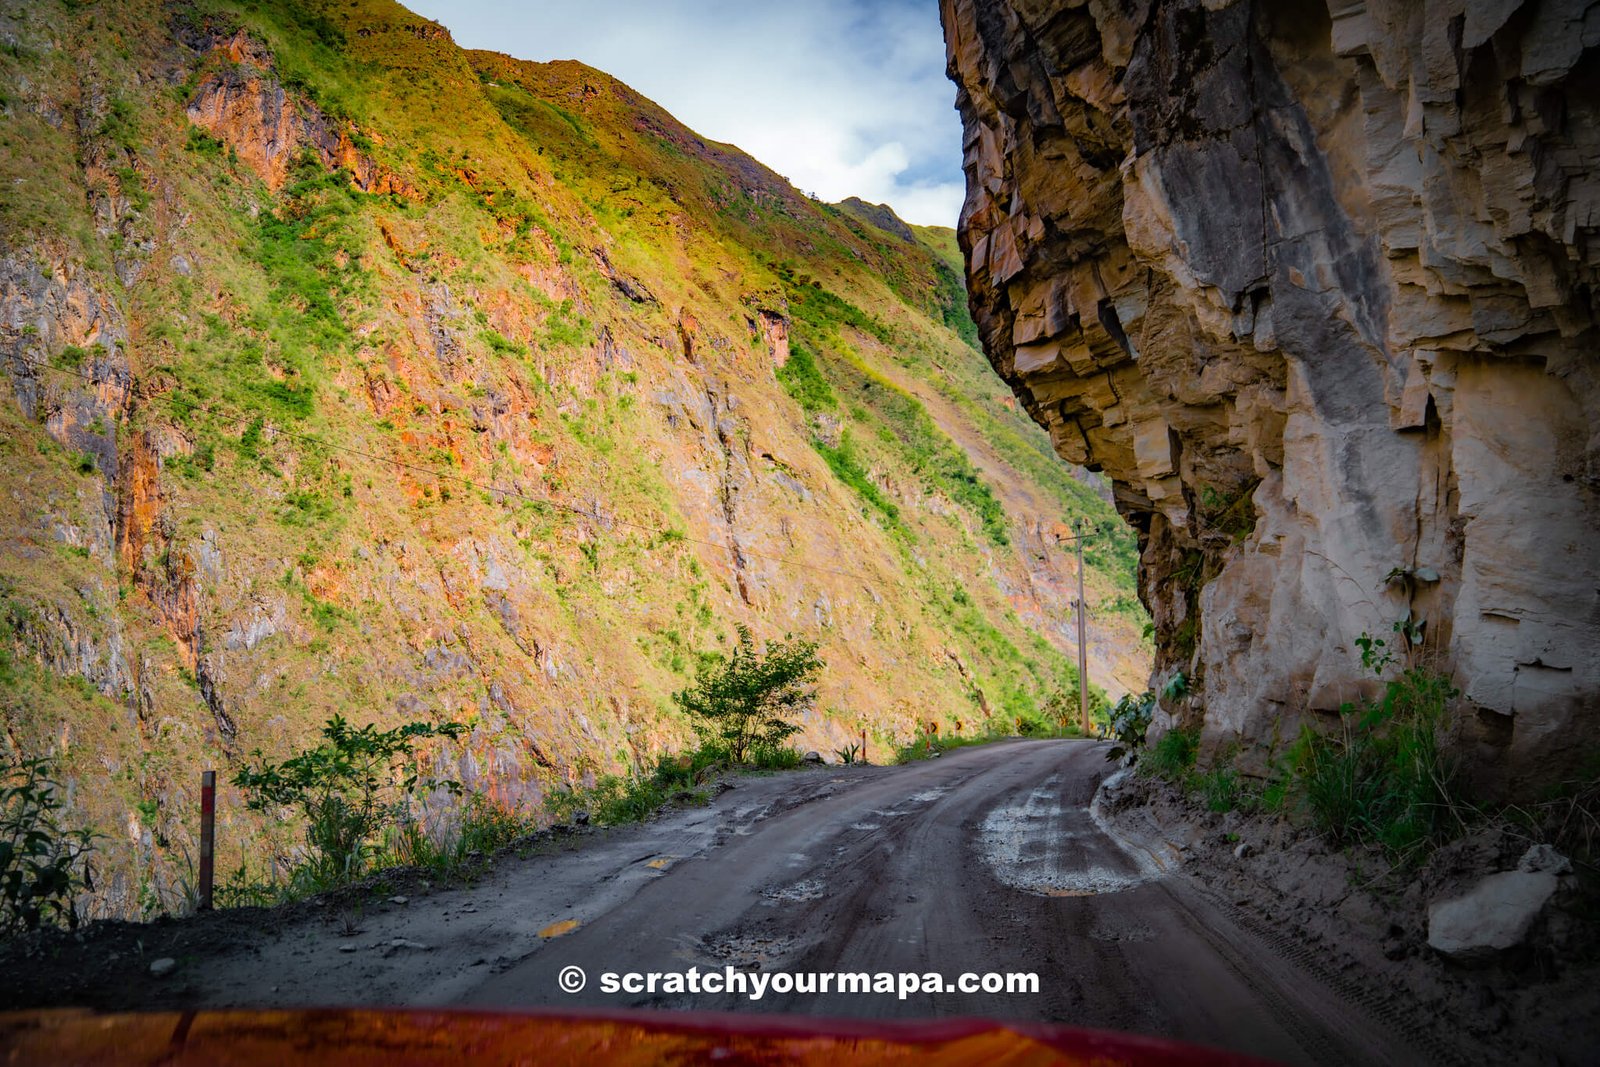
(242, 103)
(880, 215)
(1318, 293)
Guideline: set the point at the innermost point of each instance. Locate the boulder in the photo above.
(1542, 859)
(812, 757)
(1491, 918)
(163, 967)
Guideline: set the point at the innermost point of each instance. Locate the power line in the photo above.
(317, 442)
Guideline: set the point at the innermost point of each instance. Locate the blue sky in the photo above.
(842, 97)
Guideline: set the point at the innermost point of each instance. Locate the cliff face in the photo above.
(1318, 293)
(344, 371)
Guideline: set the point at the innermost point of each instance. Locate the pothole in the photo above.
(748, 952)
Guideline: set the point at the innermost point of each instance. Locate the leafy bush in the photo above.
(241, 889)
(1129, 721)
(121, 124)
(483, 827)
(924, 745)
(202, 143)
(617, 799)
(43, 866)
(1383, 776)
(1172, 756)
(1232, 513)
(565, 328)
(346, 788)
(775, 757)
(850, 754)
(741, 702)
(501, 345)
(1061, 706)
(1221, 789)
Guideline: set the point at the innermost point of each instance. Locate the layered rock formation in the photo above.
(1315, 285)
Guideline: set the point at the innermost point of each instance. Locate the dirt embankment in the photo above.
(1361, 924)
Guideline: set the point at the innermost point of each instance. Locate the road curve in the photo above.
(985, 860)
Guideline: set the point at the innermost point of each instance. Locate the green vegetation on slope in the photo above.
(425, 452)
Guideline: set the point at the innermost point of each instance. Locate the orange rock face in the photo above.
(245, 106)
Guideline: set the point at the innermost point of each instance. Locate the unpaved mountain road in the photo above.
(985, 860)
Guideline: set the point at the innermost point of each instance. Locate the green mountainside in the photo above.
(351, 372)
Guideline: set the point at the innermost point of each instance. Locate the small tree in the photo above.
(346, 787)
(741, 701)
(42, 864)
(1129, 721)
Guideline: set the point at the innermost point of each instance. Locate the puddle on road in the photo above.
(661, 863)
(810, 889)
(1032, 844)
(565, 926)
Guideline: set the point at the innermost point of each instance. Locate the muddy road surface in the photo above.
(986, 860)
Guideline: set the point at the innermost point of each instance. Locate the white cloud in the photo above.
(941, 201)
(842, 97)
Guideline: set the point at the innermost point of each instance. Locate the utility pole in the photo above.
(1083, 655)
(208, 835)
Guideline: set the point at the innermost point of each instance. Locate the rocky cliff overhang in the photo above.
(1315, 285)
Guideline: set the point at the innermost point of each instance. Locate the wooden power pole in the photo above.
(208, 835)
(1083, 655)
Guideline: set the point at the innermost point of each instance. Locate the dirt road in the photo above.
(985, 860)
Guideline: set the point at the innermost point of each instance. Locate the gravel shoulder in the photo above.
(396, 939)
(1360, 927)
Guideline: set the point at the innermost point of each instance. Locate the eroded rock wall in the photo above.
(1315, 285)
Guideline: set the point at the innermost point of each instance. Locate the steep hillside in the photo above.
(352, 372)
(1315, 285)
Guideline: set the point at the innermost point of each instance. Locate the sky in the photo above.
(842, 97)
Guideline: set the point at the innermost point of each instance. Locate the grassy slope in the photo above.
(876, 489)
